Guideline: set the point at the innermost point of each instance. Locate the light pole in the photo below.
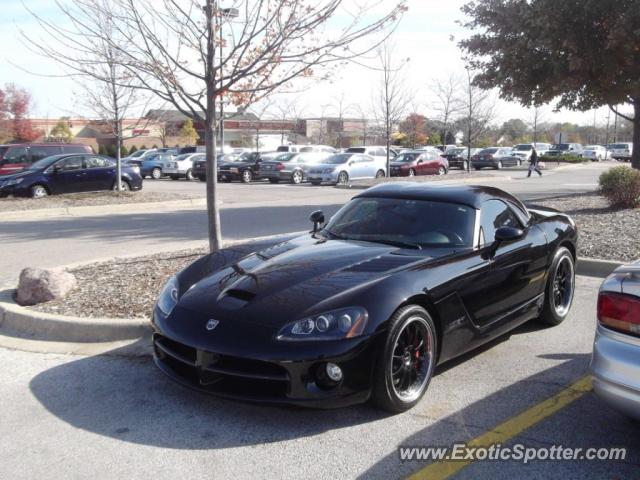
(226, 13)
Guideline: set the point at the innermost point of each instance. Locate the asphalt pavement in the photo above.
(256, 209)
(112, 416)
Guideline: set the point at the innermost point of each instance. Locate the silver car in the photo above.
(343, 167)
(615, 363)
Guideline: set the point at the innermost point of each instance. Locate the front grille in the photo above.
(223, 374)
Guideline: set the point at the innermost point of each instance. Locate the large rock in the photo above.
(38, 285)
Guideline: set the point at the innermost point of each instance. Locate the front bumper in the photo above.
(174, 171)
(484, 163)
(323, 177)
(283, 379)
(615, 368)
(399, 172)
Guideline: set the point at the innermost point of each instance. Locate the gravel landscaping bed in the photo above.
(604, 232)
(127, 288)
(87, 199)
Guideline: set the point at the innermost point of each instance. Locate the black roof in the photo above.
(472, 195)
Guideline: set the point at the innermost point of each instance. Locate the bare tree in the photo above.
(95, 62)
(537, 117)
(172, 48)
(287, 109)
(363, 115)
(447, 103)
(392, 98)
(477, 112)
(342, 107)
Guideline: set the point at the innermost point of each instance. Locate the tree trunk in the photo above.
(635, 154)
(213, 212)
(118, 160)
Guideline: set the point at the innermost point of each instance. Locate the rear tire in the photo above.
(560, 288)
(499, 165)
(156, 174)
(343, 178)
(412, 172)
(175, 177)
(405, 365)
(476, 168)
(201, 178)
(380, 174)
(442, 171)
(297, 177)
(189, 175)
(274, 180)
(124, 185)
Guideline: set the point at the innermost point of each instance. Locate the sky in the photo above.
(427, 36)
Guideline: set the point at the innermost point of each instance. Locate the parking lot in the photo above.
(120, 417)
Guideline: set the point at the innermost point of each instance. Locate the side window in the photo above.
(98, 162)
(70, 164)
(38, 153)
(16, 155)
(380, 152)
(495, 214)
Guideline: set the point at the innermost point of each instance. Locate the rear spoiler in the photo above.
(633, 268)
(533, 206)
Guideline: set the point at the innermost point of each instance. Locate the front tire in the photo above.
(380, 174)
(124, 186)
(38, 191)
(343, 178)
(202, 178)
(412, 172)
(499, 165)
(559, 291)
(246, 176)
(296, 177)
(189, 175)
(405, 366)
(274, 180)
(442, 171)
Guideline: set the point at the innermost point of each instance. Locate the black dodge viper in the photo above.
(404, 277)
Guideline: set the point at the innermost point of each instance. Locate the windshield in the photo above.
(356, 150)
(561, 146)
(619, 145)
(338, 159)
(406, 157)
(417, 223)
(457, 151)
(489, 150)
(184, 156)
(523, 148)
(2, 150)
(592, 147)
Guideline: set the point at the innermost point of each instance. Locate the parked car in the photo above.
(68, 173)
(595, 153)
(378, 152)
(524, 150)
(565, 149)
(18, 156)
(154, 165)
(410, 164)
(404, 277)
(182, 166)
(621, 151)
(342, 167)
(615, 363)
(199, 169)
(191, 149)
(291, 167)
(305, 148)
(459, 157)
(245, 168)
(446, 148)
(494, 157)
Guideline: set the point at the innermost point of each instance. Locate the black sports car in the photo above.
(404, 277)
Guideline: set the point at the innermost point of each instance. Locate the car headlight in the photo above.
(334, 325)
(13, 181)
(168, 296)
(328, 170)
(136, 169)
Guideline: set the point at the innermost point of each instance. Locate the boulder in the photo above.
(39, 285)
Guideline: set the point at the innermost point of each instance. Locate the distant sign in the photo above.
(140, 132)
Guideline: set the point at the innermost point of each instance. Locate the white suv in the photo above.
(621, 151)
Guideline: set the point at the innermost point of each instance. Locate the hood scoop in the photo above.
(276, 250)
(383, 263)
(243, 295)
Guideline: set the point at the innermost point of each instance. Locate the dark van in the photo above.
(18, 156)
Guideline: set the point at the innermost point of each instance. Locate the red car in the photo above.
(410, 164)
(18, 156)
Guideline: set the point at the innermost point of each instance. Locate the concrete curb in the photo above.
(594, 267)
(127, 208)
(21, 322)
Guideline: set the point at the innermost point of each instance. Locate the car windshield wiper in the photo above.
(396, 243)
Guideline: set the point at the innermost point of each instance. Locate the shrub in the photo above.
(143, 147)
(621, 187)
(123, 151)
(102, 150)
(133, 150)
(563, 159)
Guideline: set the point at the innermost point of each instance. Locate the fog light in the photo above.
(334, 372)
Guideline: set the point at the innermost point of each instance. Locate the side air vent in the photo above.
(380, 264)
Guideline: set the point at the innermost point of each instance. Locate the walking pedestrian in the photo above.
(533, 163)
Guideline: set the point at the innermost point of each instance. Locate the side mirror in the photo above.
(317, 218)
(419, 162)
(508, 234)
(57, 168)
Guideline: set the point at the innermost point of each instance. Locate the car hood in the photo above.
(294, 279)
(401, 164)
(20, 174)
(322, 166)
